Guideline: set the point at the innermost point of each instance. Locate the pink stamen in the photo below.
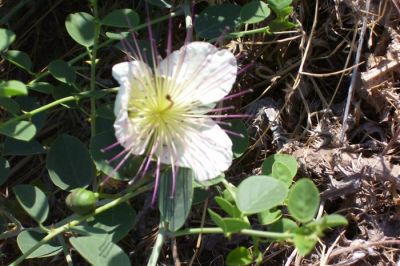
(117, 156)
(222, 109)
(157, 181)
(233, 133)
(110, 147)
(245, 68)
(237, 94)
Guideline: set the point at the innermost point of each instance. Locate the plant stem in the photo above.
(157, 247)
(249, 232)
(48, 106)
(55, 232)
(93, 57)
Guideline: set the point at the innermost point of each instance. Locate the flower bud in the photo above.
(81, 201)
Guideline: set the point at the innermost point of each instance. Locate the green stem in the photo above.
(109, 41)
(68, 257)
(157, 247)
(55, 232)
(249, 232)
(93, 57)
(48, 106)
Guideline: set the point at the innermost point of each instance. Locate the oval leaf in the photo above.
(254, 12)
(7, 37)
(100, 252)
(240, 143)
(62, 71)
(100, 158)
(12, 88)
(22, 130)
(27, 239)
(303, 200)
(260, 193)
(18, 147)
(288, 160)
(217, 20)
(240, 256)
(42, 87)
(174, 210)
(81, 28)
(116, 222)
(4, 170)
(19, 58)
(69, 163)
(123, 18)
(10, 105)
(33, 200)
(281, 172)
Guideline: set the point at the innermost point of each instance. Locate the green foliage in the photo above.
(19, 147)
(19, 59)
(115, 223)
(175, 208)
(62, 71)
(69, 163)
(21, 130)
(217, 20)
(239, 256)
(239, 143)
(29, 238)
(266, 193)
(33, 200)
(121, 18)
(12, 88)
(98, 251)
(303, 200)
(7, 37)
(254, 12)
(81, 27)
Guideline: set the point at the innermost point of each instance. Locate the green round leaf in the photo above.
(10, 105)
(303, 200)
(234, 225)
(240, 143)
(217, 219)
(22, 130)
(304, 243)
(12, 88)
(240, 256)
(33, 200)
(30, 103)
(282, 172)
(7, 37)
(217, 20)
(283, 225)
(18, 58)
(103, 140)
(123, 18)
(42, 87)
(175, 210)
(269, 216)
(27, 239)
(18, 147)
(81, 28)
(254, 12)
(260, 193)
(69, 163)
(99, 251)
(4, 170)
(288, 160)
(279, 6)
(62, 71)
(116, 222)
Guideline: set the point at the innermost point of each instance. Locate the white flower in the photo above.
(163, 111)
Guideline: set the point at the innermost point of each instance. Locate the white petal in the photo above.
(206, 150)
(126, 73)
(127, 131)
(201, 71)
